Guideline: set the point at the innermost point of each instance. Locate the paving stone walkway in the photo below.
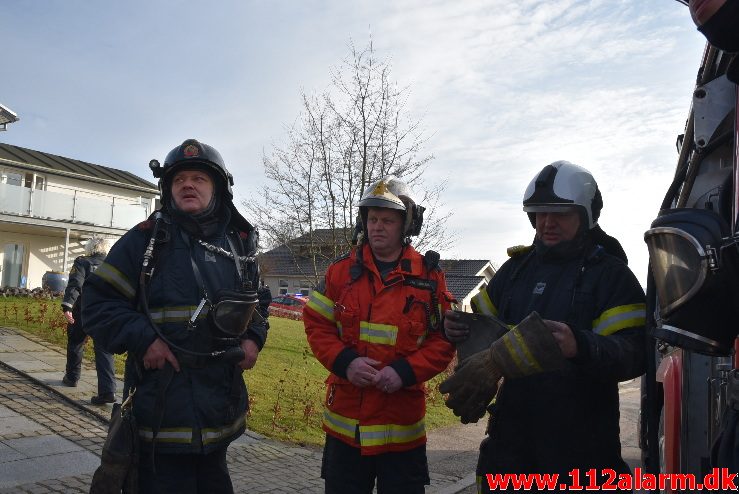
(51, 436)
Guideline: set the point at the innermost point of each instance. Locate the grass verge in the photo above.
(286, 387)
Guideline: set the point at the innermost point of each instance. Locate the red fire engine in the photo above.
(690, 394)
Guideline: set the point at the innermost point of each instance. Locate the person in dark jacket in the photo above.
(189, 310)
(95, 250)
(554, 422)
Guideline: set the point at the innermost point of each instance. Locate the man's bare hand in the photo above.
(564, 337)
(158, 354)
(69, 316)
(455, 330)
(387, 380)
(361, 372)
(251, 352)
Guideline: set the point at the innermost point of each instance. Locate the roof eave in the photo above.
(79, 176)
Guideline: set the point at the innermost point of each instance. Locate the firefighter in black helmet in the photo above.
(554, 422)
(181, 294)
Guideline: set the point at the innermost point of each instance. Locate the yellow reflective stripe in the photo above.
(175, 314)
(114, 277)
(482, 304)
(620, 317)
(181, 435)
(374, 435)
(520, 353)
(214, 434)
(340, 328)
(380, 435)
(383, 334)
(321, 304)
(340, 424)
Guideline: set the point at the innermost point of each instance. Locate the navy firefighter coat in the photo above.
(201, 408)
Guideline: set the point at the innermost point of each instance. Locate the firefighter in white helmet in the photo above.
(556, 421)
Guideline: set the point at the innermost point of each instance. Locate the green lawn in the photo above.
(286, 387)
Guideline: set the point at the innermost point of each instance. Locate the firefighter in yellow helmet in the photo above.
(375, 324)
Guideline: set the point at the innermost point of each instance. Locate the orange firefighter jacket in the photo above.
(397, 322)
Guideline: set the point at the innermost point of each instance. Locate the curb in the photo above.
(460, 485)
(57, 393)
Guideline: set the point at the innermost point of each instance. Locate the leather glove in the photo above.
(527, 349)
(472, 386)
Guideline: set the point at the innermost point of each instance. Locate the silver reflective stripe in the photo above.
(114, 277)
(482, 304)
(321, 304)
(620, 317)
(212, 435)
(174, 314)
(337, 423)
(178, 435)
(384, 334)
(379, 435)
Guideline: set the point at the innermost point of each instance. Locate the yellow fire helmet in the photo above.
(389, 192)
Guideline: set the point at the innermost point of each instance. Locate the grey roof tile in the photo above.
(463, 267)
(461, 286)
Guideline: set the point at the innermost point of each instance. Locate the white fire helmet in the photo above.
(560, 186)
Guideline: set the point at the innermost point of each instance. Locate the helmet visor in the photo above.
(233, 311)
(548, 208)
(679, 265)
(382, 202)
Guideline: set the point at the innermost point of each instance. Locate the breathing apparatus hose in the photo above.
(233, 354)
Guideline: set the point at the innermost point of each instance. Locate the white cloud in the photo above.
(504, 88)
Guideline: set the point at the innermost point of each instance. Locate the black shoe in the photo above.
(103, 399)
(68, 381)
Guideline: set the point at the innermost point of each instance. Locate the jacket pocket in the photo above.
(348, 327)
(340, 393)
(411, 335)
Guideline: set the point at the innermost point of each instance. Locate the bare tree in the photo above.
(345, 138)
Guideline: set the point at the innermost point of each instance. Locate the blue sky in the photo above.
(503, 88)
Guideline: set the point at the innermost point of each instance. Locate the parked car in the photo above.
(288, 306)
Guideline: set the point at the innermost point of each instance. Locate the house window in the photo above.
(21, 179)
(11, 178)
(304, 287)
(282, 286)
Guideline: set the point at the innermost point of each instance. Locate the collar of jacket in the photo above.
(203, 225)
(409, 264)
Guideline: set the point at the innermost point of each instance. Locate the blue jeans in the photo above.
(76, 338)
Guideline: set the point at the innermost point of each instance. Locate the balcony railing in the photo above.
(64, 207)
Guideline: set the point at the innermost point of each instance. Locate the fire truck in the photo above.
(690, 393)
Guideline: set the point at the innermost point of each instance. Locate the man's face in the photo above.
(553, 228)
(385, 232)
(192, 190)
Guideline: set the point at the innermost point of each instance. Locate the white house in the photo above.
(50, 205)
(466, 277)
